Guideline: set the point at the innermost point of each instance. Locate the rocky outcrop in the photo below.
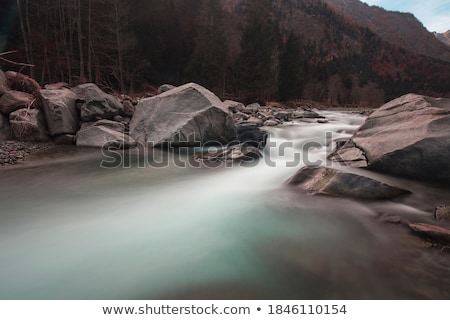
(186, 116)
(408, 137)
(94, 104)
(5, 128)
(328, 181)
(29, 125)
(15, 100)
(60, 111)
(104, 134)
(238, 152)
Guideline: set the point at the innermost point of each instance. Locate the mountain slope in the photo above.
(444, 37)
(397, 28)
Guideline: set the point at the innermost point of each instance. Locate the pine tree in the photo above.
(291, 77)
(256, 66)
(209, 60)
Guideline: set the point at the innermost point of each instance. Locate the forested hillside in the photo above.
(243, 49)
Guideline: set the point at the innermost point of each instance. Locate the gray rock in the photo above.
(60, 111)
(3, 83)
(15, 100)
(96, 104)
(349, 155)
(250, 133)
(307, 114)
(5, 128)
(282, 115)
(442, 213)
(240, 117)
(234, 106)
(432, 233)
(57, 86)
(128, 108)
(28, 125)
(238, 152)
(165, 88)
(270, 123)
(96, 136)
(327, 181)
(408, 136)
(186, 116)
(252, 108)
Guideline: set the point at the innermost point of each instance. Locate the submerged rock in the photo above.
(442, 213)
(238, 152)
(186, 116)
(408, 136)
(432, 233)
(328, 181)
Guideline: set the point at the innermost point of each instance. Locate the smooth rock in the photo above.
(349, 155)
(96, 104)
(240, 117)
(28, 125)
(442, 213)
(5, 128)
(252, 108)
(186, 116)
(270, 123)
(128, 108)
(103, 137)
(409, 137)
(307, 114)
(432, 233)
(328, 181)
(15, 100)
(60, 111)
(282, 115)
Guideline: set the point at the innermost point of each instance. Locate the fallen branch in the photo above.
(17, 63)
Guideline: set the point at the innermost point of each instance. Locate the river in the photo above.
(72, 229)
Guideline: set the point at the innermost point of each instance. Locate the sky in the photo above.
(434, 14)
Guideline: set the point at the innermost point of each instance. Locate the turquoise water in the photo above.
(70, 229)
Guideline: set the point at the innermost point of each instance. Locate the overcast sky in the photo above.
(434, 14)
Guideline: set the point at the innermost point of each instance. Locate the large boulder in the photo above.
(29, 125)
(186, 116)
(15, 100)
(328, 181)
(60, 111)
(5, 128)
(94, 104)
(408, 136)
(104, 135)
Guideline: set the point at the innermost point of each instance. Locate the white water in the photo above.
(72, 230)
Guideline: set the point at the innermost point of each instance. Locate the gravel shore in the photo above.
(14, 152)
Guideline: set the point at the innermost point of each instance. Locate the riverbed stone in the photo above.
(250, 133)
(332, 182)
(15, 100)
(186, 116)
(234, 106)
(29, 125)
(237, 152)
(94, 104)
(100, 136)
(409, 137)
(60, 111)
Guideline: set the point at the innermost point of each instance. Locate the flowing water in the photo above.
(70, 229)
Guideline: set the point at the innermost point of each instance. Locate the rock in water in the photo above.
(442, 213)
(408, 136)
(327, 181)
(28, 125)
(186, 116)
(432, 233)
(60, 111)
(96, 104)
(104, 135)
(5, 128)
(237, 152)
(14, 100)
